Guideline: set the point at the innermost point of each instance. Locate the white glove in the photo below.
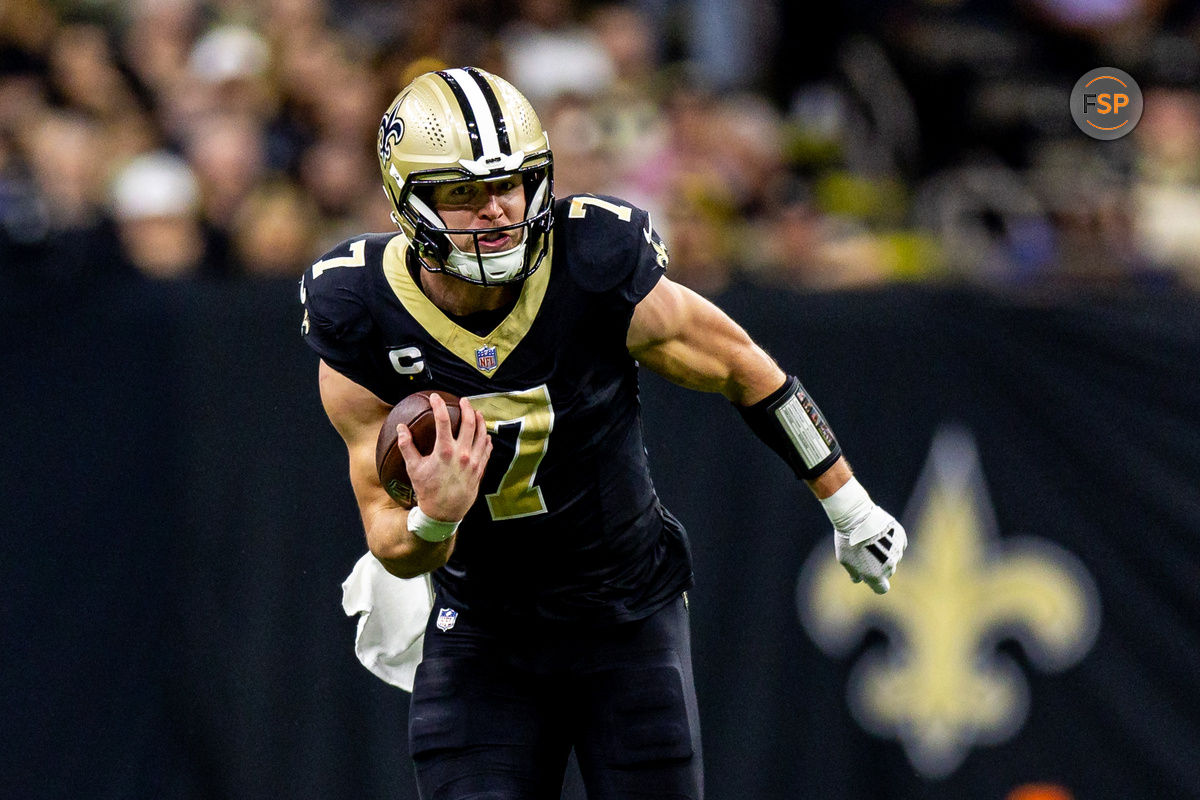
(868, 541)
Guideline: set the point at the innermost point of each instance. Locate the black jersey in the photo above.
(567, 526)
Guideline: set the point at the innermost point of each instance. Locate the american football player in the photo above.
(559, 620)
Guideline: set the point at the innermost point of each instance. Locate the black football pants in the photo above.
(495, 715)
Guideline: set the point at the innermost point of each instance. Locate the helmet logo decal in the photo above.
(391, 131)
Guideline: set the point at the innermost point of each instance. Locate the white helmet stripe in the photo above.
(486, 125)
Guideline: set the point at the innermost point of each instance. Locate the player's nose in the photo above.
(491, 208)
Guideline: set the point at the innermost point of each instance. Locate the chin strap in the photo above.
(492, 267)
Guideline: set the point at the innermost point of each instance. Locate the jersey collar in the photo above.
(484, 353)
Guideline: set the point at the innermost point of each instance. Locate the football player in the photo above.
(559, 621)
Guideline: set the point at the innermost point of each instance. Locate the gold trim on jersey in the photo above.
(458, 340)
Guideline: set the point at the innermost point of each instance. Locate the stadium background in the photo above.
(998, 313)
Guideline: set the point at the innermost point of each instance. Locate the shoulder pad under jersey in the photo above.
(610, 244)
(336, 292)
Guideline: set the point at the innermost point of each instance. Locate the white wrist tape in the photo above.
(848, 506)
(426, 527)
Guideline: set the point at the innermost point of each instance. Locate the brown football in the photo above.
(415, 412)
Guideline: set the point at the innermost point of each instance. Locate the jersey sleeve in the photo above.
(614, 246)
(337, 325)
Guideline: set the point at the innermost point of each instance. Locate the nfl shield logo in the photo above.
(446, 619)
(485, 358)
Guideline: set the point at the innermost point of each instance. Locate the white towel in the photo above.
(392, 613)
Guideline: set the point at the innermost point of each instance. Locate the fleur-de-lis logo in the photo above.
(942, 687)
(391, 131)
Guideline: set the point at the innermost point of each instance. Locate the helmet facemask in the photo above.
(431, 236)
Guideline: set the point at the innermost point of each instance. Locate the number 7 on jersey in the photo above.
(529, 416)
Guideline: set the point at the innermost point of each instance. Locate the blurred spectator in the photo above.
(303, 19)
(227, 153)
(276, 232)
(993, 226)
(800, 248)
(625, 34)
(54, 197)
(334, 172)
(156, 204)
(231, 61)
(27, 25)
(226, 73)
(22, 88)
(629, 111)
(699, 231)
(732, 142)
(729, 42)
(84, 72)
(124, 138)
(1166, 192)
(1086, 235)
(582, 163)
(347, 104)
(690, 145)
(547, 52)
(156, 39)
(59, 146)
(24, 220)
(452, 32)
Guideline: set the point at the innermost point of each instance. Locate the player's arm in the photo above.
(446, 481)
(688, 340)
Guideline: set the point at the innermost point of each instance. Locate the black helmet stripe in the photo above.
(468, 113)
(494, 108)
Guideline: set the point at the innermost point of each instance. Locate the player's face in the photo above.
(482, 204)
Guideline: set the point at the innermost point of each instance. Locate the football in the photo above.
(415, 412)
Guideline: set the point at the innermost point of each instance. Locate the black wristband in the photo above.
(791, 424)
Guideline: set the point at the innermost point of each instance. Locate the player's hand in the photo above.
(868, 541)
(446, 481)
(871, 550)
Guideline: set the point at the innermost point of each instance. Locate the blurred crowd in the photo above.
(875, 142)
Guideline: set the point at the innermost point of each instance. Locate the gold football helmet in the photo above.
(466, 124)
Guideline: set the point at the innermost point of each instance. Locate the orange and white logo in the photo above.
(1106, 103)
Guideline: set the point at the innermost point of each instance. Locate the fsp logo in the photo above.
(1106, 103)
(941, 686)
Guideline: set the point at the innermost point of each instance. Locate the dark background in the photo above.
(177, 522)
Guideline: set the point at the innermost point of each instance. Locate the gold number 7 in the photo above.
(579, 205)
(357, 258)
(528, 412)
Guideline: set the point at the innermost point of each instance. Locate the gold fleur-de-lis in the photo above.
(942, 687)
